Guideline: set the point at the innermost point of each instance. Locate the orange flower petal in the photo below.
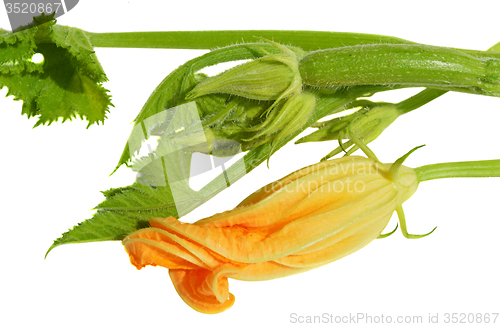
(189, 285)
(309, 218)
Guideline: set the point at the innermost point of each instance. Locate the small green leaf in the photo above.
(66, 85)
(125, 210)
(104, 226)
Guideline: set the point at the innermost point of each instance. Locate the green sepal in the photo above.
(388, 234)
(393, 170)
(273, 77)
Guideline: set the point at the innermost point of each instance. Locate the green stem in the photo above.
(419, 100)
(307, 40)
(484, 168)
(205, 40)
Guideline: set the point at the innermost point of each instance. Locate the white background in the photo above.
(51, 178)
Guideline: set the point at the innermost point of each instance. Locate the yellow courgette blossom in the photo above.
(307, 219)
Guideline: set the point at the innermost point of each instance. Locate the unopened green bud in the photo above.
(366, 123)
(273, 77)
(294, 115)
(286, 119)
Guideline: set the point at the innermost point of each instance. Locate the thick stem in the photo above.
(428, 94)
(407, 65)
(484, 168)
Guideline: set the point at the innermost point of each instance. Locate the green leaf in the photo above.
(104, 226)
(66, 85)
(128, 208)
(125, 210)
(16, 50)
